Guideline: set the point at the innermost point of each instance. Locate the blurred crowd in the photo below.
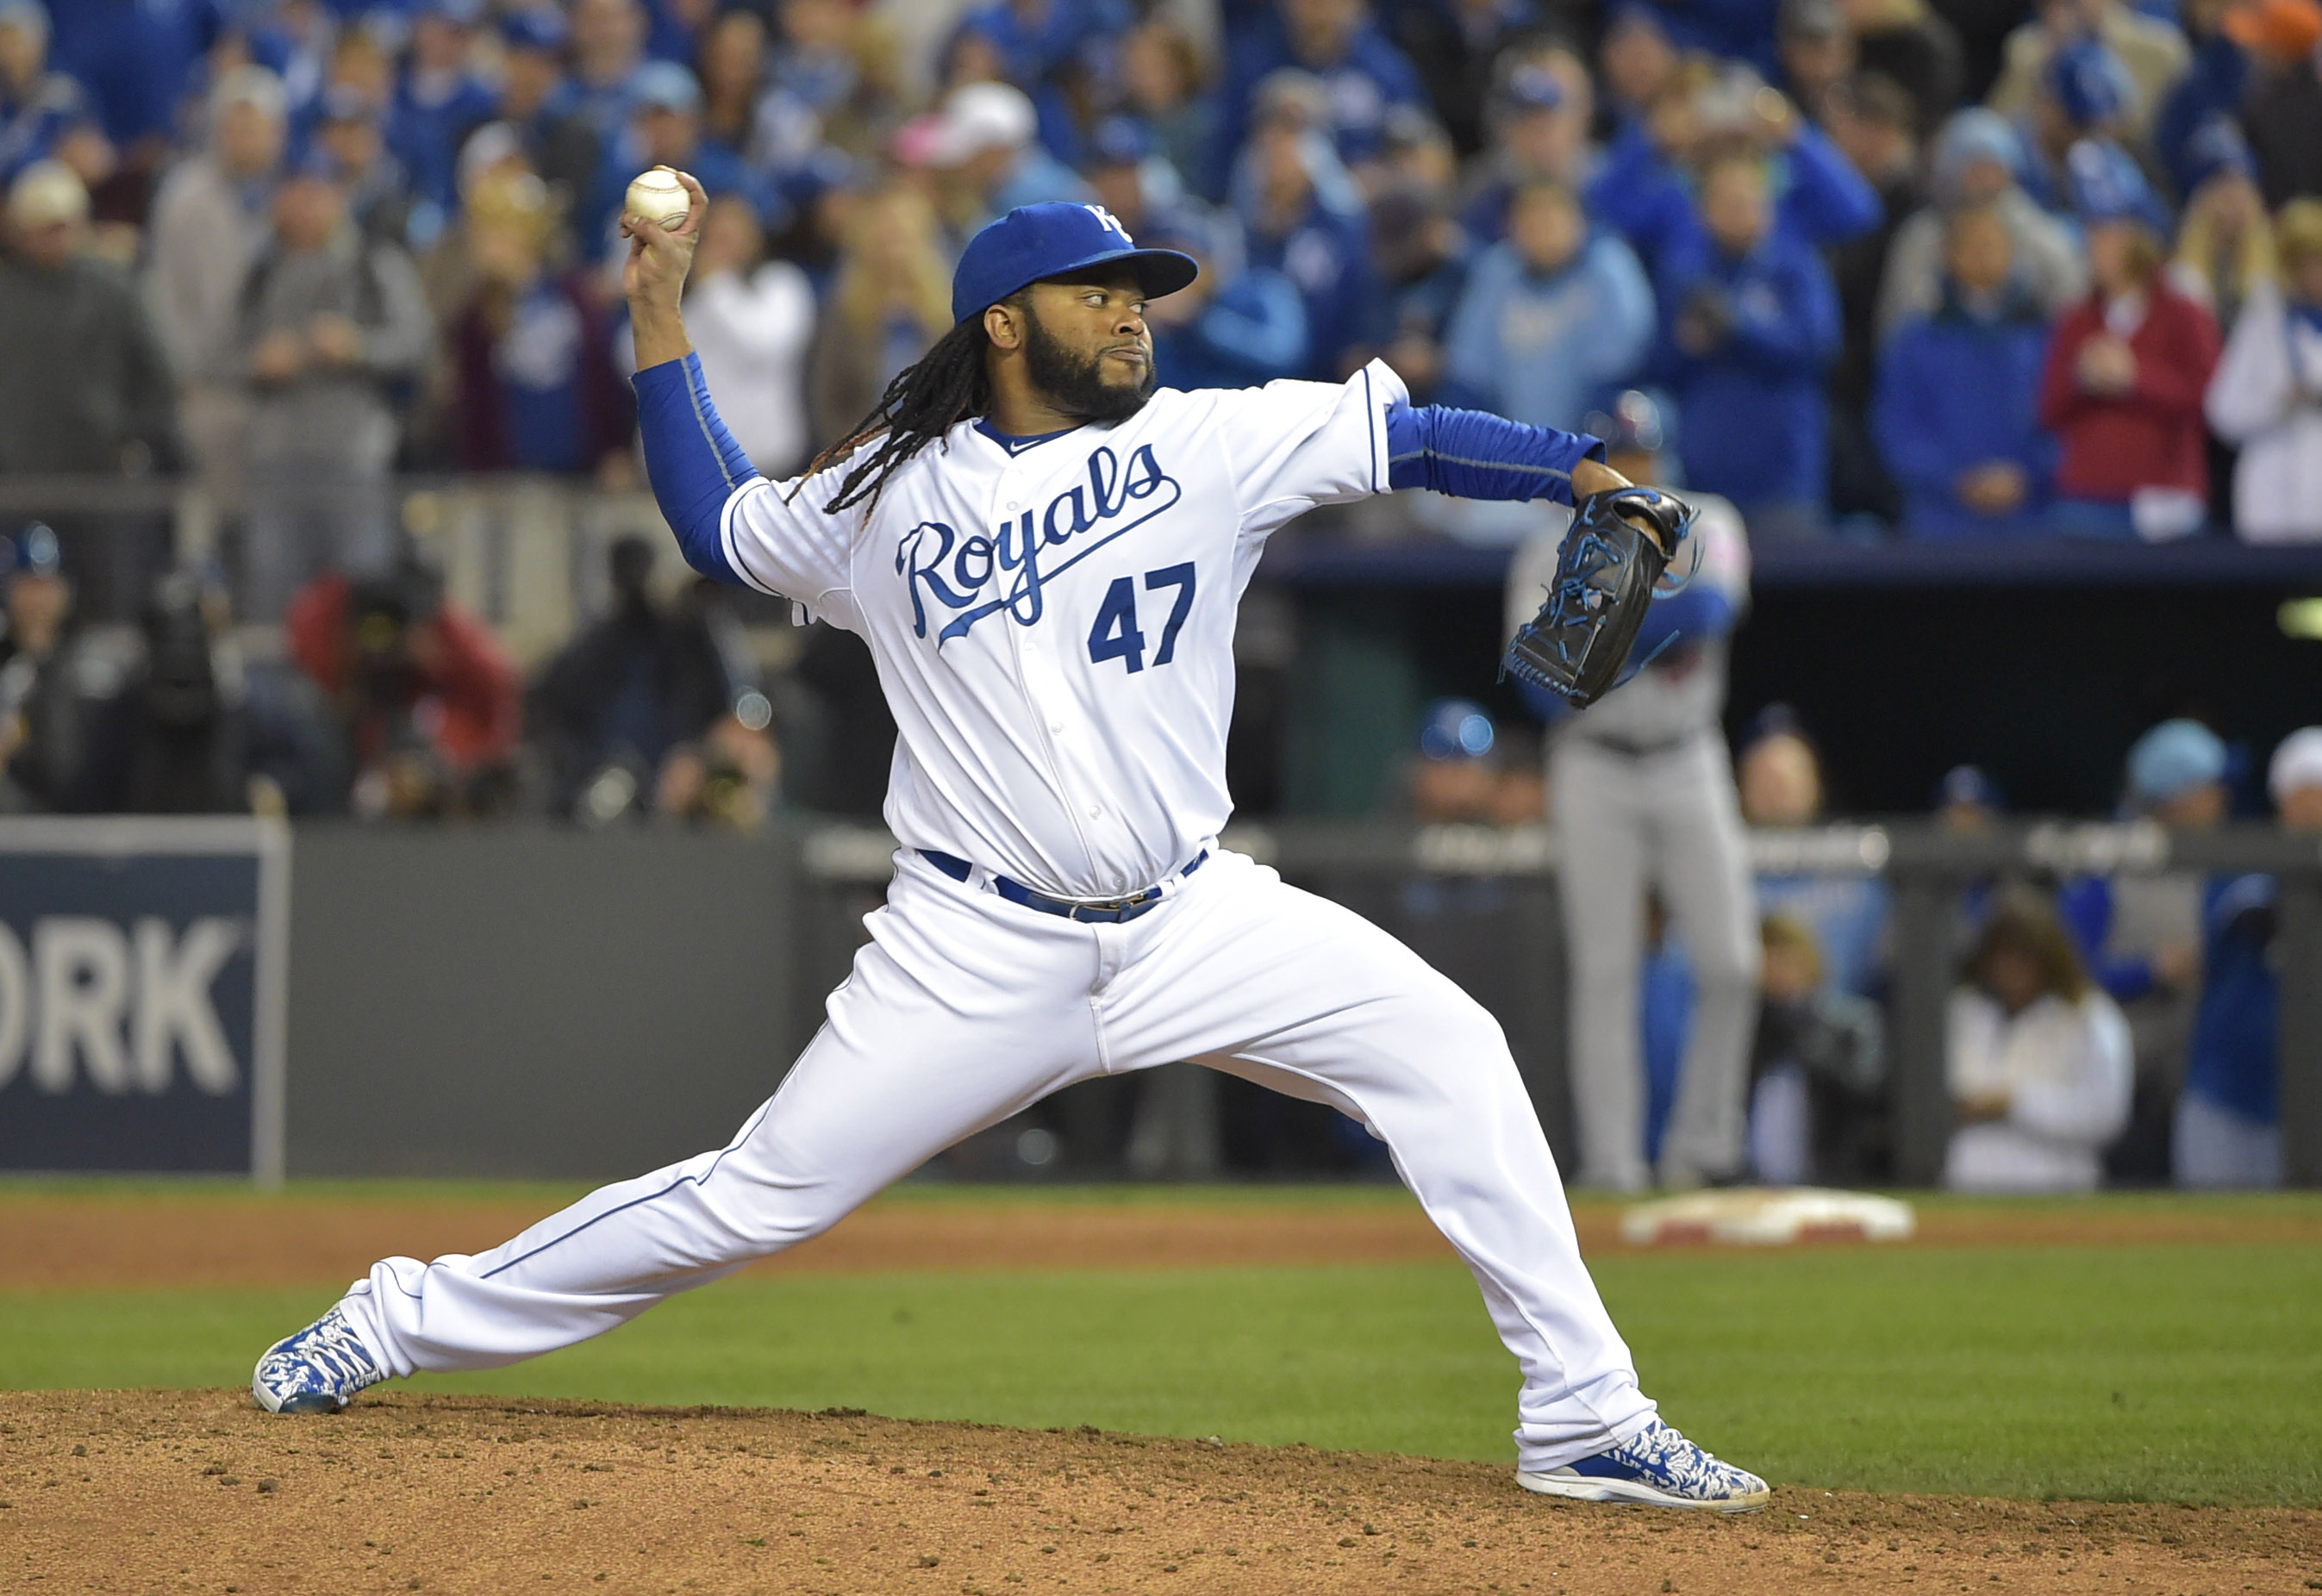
(389, 701)
(2105, 1029)
(1918, 268)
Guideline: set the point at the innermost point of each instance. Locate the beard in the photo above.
(1075, 382)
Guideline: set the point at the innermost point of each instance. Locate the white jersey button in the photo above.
(1095, 813)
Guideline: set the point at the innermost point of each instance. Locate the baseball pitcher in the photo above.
(1044, 554)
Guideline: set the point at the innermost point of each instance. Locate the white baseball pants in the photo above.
(965, 1008)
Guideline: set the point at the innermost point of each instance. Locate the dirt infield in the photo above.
(195, 1491)
(82, 1240)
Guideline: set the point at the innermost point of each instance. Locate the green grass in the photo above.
(2182, 1373)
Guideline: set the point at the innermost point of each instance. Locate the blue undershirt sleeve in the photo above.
(692, 461)
(1470, 454)
(1697, 613)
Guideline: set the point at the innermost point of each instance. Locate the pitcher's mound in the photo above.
(175, 1491)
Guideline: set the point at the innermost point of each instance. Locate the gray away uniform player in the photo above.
(1044, 556)
(1641, 789)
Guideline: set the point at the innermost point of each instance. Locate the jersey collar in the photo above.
(1014, 444)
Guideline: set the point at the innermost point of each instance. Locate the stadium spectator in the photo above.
(174, 740)
(1816, 46)
(2037, 1060)
(1910, 44)
(379, 200)
(2266, 396)
(2126, 369)
(834, 83)
(41, 112)
(2210, 91)
(1873, 124)
(2227, 1125)
(2225, 240)
(1424, 257)
(2150, 51)
(1778, 778)
(1454, 781)
(890, 300)
(2141, 935)
(1635, 60)
(1817, 1069)
(607, 44)
(209, 225)
(2227, 1128)
(532, 359)
(46, 693)
(1457, 46)
(1956, 418)
(1551, 318)
(1728, 29)
(540, 102)
(428, 705)
(1293, 229)
(1051, 49)
(1161, 85)
(1646, 184)
(85, 386)
(752, 321)
(138, 58)
(2282, 110)
(332, 328)
(438, 101)
(1334, 41)
(983, 146)
(640, 685)
(730, 64)
(1977, 158)
(1539, 125)
(2085, 95)
(1752, 325)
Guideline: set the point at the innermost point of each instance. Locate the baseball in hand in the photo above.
(658, 197)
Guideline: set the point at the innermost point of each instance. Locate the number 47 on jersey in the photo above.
(1116, 635)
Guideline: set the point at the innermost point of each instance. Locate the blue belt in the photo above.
(1110, 911)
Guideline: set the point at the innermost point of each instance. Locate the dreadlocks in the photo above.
(949, 385)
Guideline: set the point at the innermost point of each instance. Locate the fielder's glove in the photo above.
(1577, 643)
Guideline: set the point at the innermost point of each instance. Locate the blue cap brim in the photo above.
(1159, 272)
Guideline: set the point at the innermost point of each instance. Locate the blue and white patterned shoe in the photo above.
(1660, 1468)
(317, 1370)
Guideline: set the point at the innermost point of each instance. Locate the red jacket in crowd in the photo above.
(2152, 436)
(451, 681)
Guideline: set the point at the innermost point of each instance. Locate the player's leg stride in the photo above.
(1050, 598)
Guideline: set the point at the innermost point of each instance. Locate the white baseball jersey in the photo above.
(1053, 626)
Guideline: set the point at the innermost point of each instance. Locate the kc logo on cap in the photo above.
(1044, 240)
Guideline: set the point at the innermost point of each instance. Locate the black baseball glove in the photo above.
(1577, 643)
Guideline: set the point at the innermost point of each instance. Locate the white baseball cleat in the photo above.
(1660, 1468)
(317, 1370)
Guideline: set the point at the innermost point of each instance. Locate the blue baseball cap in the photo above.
(1968, 784)
(33, 549)
(535, 27)
(2216, 146)
(1456, 728)
(1047, 240)
(1118, 140)
(2173, 758)
(2089, 83)
(2107, 185)
(664, 86)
